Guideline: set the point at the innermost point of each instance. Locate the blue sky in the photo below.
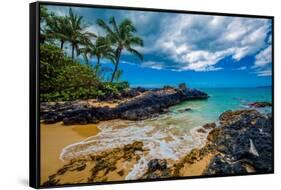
(200, 50)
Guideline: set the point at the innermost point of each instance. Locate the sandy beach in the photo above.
(54, 137)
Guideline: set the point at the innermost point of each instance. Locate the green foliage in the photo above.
(77, 34)
(100, 49)
(44, 15)
(62, 79)
(69, 28)
(72, 94)
(123, 38)
(122, 85)
(114, 88)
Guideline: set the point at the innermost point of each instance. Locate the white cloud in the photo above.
(264, 73)
(264, 57)
(202, 60)
(269, 39)
(149, 64)
(128, 62)
(153, 64)
(197, 42)
(240, 68)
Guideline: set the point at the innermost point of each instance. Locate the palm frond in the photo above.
(104, 26)
(135, 40)
(115, 27)
(127, 26)
(135, 52)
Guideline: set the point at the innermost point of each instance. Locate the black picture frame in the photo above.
(34, 83)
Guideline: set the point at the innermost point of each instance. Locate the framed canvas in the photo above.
(123, 94)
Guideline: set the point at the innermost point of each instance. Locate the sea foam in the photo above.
(161, 137)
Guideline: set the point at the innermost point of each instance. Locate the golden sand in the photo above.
(109, 165)
(197, 168)
(54, 137)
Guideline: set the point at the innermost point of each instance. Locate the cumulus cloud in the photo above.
(199, 42)
(263, 62)
(264, 57)
(193, 42)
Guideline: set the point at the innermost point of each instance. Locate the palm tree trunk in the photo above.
(61, 44)
(98, 61)
(114, 72)
(86, 58)
(72, 52)
(116, 64)
(97, 66)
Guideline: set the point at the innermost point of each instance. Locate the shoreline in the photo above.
(213, 158)
(135, 105)
(54, 137)
(65, 123)
(50, 156)
(75, 125)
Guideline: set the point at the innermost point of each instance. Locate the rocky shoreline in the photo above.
(243, 142)
(240, 143)
(135, 104)
(99, 167)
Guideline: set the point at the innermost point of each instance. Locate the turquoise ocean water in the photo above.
(223, 99)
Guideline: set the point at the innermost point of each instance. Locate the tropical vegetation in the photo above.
(66, 48)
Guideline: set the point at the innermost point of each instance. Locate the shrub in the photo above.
(62, 79)
(114, 88)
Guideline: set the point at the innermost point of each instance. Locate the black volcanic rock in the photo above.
(220, 166)
(260, 104)
(124, 94)
(245, 140)
(184, 110)
(142, 106)
(157, 164)
(157, 168)
(240, 144)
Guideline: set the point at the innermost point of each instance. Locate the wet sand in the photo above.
(54, 137)
(197, 168)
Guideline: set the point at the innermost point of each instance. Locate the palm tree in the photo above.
(122, 38)
(85, 52)
(44, 15)
(118, 75)
(77, 34)
(58, 28)
(101, 49)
